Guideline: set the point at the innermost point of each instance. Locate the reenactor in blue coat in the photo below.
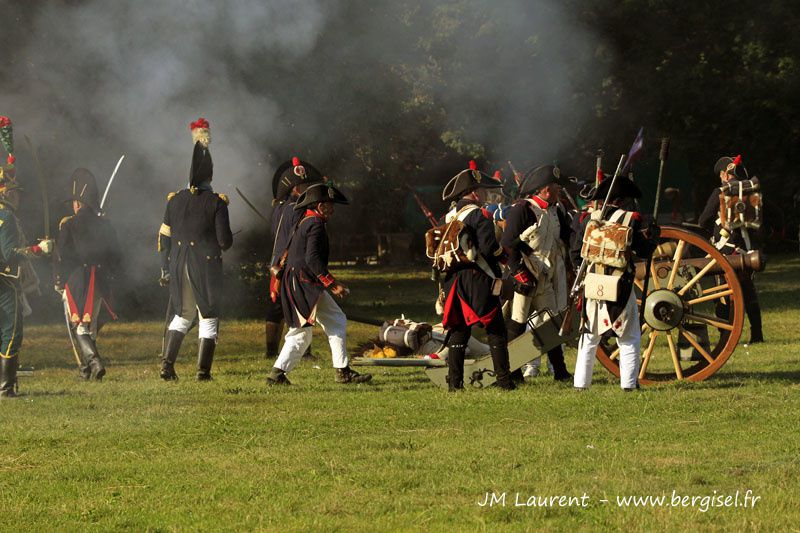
(290, 180)
(308, 287)
(86, 260)
(195, 232)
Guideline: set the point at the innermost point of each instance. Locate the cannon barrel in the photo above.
(753, 261)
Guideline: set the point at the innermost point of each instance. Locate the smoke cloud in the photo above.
(327, 80)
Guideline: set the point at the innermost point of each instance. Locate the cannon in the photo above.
(693, 312)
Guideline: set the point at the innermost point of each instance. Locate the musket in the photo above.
(108, 185)
(598, 167)
(427, 212)
(662, 156)
(517, 175)
(574, 292)
(251, 206)
(42, 187)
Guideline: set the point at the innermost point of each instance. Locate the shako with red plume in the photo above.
(201, 131)
(733, 166)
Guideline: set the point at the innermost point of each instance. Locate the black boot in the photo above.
(560, 372)
(754, 316)
(455, 367)
(205, 356)
(172, 345)
(348, 375)
(91, 356)
(515, 329)
(8, 376)
(273, 339)
(501, 366)
(277, 377)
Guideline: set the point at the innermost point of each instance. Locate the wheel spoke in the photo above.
(697, 346)
(647, 353)
(697, 277)
(654, 277)
(676, 263)
(717, 288)
(674, 352)
(709, 321)
(711, 296)
(614, 354)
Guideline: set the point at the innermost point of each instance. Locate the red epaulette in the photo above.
(486, 213)
(636, 216)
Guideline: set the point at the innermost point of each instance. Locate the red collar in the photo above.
(541, 203)
(315, 214)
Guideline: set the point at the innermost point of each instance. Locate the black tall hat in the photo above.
(202, 166)
(733, 165)
(84, 189)
(623, 188)
(290, 174)
(320, 192)
(467, 181)
(538, 177)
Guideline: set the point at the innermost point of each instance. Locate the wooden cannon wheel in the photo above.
(702, 332)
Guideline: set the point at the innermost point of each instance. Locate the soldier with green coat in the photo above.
(16, 274)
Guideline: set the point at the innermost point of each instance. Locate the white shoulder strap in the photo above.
(465, 211)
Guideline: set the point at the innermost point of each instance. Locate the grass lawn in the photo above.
(136, 453)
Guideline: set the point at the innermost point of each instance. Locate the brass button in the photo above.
(179, 243)
(191, 243)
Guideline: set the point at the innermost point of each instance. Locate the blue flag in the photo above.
(633, 153)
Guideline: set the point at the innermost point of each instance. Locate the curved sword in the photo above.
(251, 206)
(110, 181)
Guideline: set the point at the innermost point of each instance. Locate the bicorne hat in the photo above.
(467, 181)
(290, 174)
(319, 193)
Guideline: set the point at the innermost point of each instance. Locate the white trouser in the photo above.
(333, 322)
(208, 328)
(83, 329)
(629, 351)
(520, 311)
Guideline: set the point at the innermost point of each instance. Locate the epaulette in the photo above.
(636, 216)
(224, 198)
(170, 195)
(63, 220)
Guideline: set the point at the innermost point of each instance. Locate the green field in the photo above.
(135, 453)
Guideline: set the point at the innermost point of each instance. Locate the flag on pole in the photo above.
(634, 152)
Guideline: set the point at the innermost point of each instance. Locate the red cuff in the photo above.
(326, 279)
(523, 276)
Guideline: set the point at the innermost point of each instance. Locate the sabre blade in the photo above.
(251, 206)
(42, 187)
(110, 181)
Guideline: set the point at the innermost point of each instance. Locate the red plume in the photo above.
(600, 176)
(473, 165)
(497, 175)
(4, 121)
(11, 159)
(199, 123)
(737, 160)
(295, 161)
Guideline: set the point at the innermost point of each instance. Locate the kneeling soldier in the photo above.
(304, 289)
(472, 288)
(86, 258)
(537, 236)
(618, 317)
(196, 221)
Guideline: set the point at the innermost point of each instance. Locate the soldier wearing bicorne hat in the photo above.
(289, 181)
(471, 290)
(87, 258)
(16, 274)
(537, 236)
(195, 232)
(307, 287)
